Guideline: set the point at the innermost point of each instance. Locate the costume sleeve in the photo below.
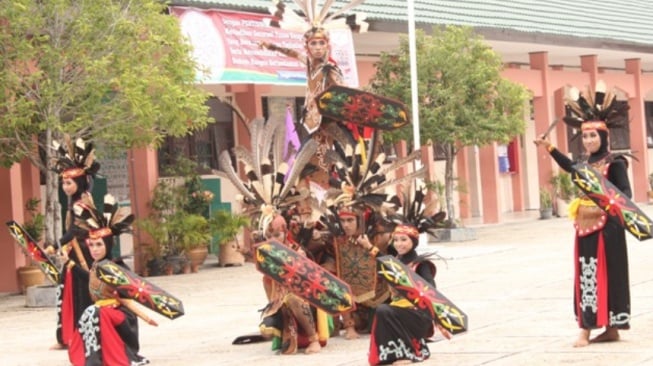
(618, 175)
(66, 238)
(426, 271)
(561, 159)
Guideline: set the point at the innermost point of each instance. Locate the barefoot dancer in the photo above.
(601, 287)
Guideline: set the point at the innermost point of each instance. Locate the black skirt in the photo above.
(399, 334)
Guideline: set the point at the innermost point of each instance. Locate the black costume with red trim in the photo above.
(399, 331)
(109, 330)
(601, 284)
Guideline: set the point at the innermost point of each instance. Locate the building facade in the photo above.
(546, 46)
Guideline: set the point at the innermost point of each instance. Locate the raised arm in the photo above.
(284, 51)
(561, 159)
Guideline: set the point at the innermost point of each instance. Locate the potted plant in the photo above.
(226, 226)
(546, 204)
(564, 191)
(177, 222)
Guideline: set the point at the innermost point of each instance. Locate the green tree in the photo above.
(116, 72)
(463, 99)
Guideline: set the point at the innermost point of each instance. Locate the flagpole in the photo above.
(413, 73)
(412, 49)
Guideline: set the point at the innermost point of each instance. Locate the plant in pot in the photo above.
(178, 221)
(31, 274)
(226, 226)
(564, 191)
(546, 204)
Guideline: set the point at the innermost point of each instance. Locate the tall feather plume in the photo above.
(414, 212)
(306, 152)
(224, 161)
(256, 128)
(408, 177)
(278, 147)
(314, 18)
(597, 104)
(401, 162)
(303, 5)
(325, 10)
(343, 10)
(268, 167)
(74, 155)
(370, 153)
(600, 94)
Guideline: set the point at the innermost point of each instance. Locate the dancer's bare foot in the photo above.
(583, 338)
(609, 335)
(313, 347)
(350, 333)
(57, 347)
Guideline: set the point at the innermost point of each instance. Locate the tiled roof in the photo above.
(579, 18)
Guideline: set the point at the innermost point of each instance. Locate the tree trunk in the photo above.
(53, 227)
(450, 156)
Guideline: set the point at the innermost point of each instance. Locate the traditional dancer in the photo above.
(321, 70)
(269, 192)
(601, 286)
(77, 167)
(108, 329)
(399, 330)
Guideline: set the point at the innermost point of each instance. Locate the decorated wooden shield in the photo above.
(35, 252)
(363, 108)
(356, 267)
(611, 200)
(131, 286)
(422, 294)
(304, 277)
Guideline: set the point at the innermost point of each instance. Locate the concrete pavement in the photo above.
(514, 282)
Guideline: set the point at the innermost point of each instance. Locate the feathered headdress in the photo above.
(421, 213)
(113, 220)
(359, 179)
(270, 185)
(315, 20)
(596, 109)
(74, 160)
(359, 176)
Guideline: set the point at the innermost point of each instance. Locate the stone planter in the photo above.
(41, 296)
(546, 213)
(230, 255)
(562, 208)
(197, 256)
(29, 276)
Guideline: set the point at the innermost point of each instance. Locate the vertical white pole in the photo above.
(412, 48)
(413, 73)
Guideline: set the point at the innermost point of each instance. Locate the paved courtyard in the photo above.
(514, 282)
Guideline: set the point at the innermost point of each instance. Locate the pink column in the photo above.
(561, 127)
(638, 144)
(541, 105)
(11, 196)
(489, 165)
